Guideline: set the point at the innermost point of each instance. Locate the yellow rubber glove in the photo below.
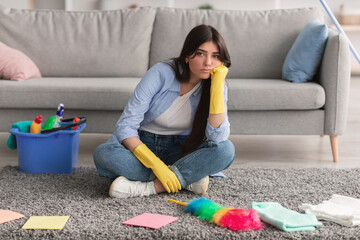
(218, 75)
(167, 177)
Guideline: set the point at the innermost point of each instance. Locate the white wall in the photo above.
(14, 3)
(223, 4)
(217, 4)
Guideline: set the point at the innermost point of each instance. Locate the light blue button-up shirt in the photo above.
(153, 96)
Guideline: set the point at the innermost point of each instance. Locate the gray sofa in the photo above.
(92, 61)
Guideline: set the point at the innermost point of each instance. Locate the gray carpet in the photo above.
(94, 215)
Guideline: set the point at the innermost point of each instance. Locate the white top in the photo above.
(176, 119)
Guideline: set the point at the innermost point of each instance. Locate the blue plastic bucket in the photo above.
(55, 152)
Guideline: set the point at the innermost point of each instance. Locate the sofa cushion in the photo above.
(305, 54)
(74, 93)
(114, 93)
(81, 44)
(258, 41)
(15, 65)
(271, 94)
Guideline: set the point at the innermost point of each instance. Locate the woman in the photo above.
(174, 131)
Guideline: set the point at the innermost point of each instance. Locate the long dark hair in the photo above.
(197, 36)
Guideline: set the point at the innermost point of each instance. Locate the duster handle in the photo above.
(177, 202)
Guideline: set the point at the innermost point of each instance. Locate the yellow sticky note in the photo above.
(46, 222)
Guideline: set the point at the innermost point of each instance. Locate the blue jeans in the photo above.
(113, 159)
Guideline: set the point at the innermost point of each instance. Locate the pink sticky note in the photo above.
(150, 220)
(7, 216)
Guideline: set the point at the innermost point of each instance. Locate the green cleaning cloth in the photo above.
(23, 127)
(285, 219)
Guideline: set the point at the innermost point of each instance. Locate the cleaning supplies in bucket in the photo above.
(35, 126)
(51, 123)
(53, 152)
(55, 121)
(60, 113)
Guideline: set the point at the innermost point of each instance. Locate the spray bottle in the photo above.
(55, 121)
(51, 123)
(35, 127)
(59, 113)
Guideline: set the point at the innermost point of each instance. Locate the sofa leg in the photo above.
(335, 148)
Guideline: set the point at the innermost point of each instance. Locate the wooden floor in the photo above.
(259, 151)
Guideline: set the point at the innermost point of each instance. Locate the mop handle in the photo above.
(333, 18)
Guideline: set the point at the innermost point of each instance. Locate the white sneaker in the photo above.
(121, 187)
(199, 187)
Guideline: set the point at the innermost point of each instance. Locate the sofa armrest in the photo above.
(335, 78)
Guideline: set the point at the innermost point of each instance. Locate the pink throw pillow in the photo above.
(15, 65)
